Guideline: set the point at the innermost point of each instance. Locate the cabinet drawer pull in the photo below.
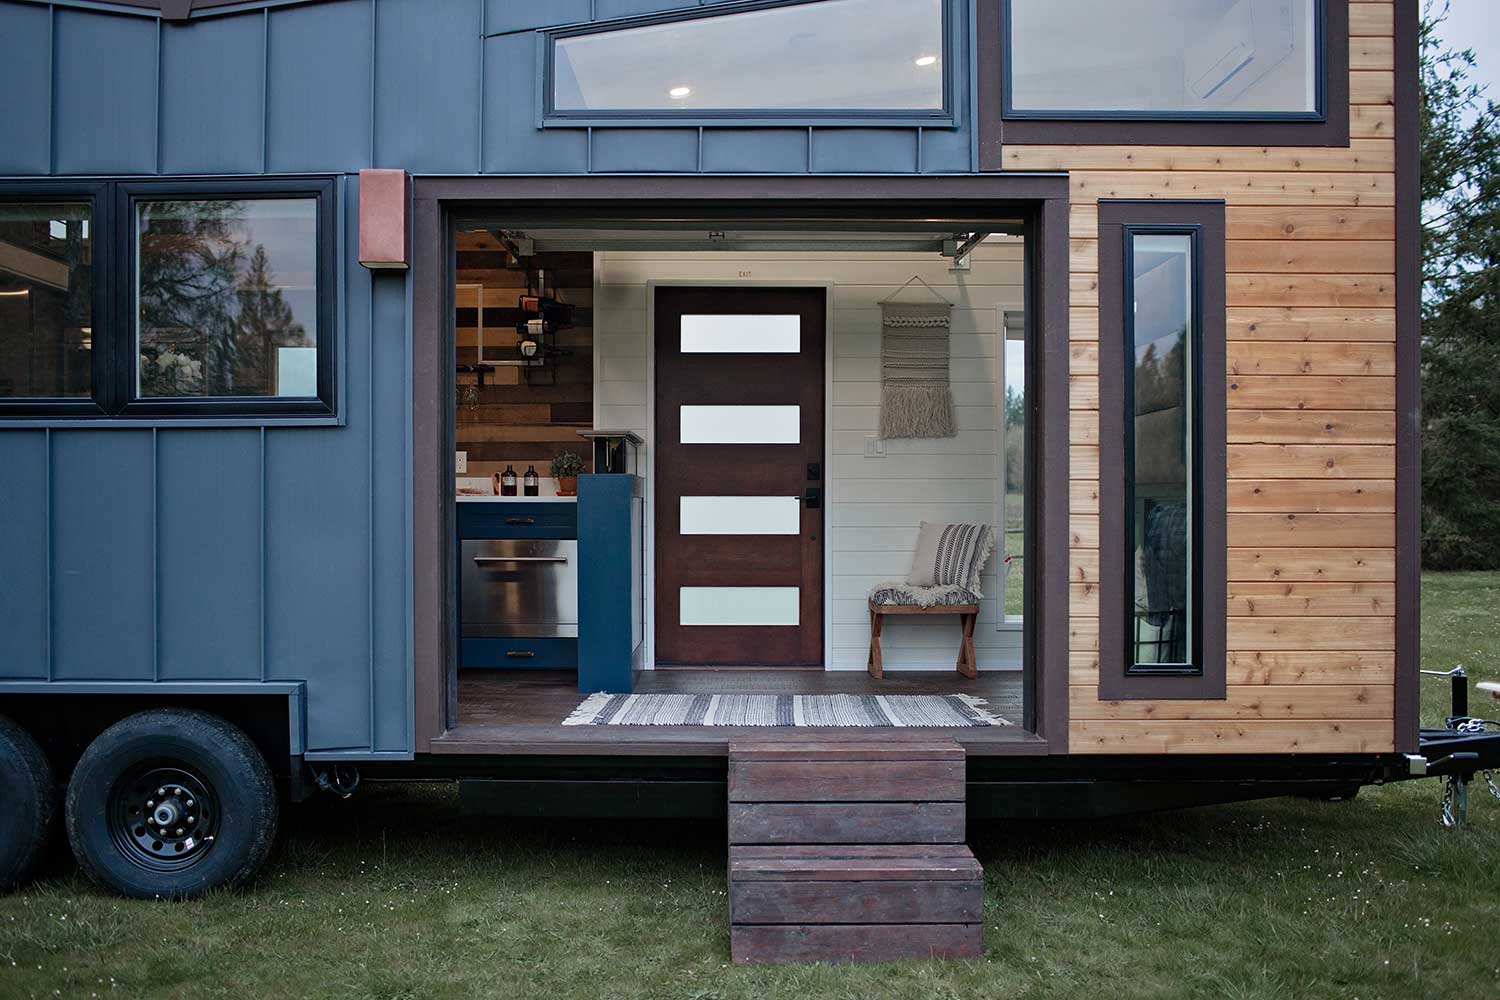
(520, 520)
(519, 654)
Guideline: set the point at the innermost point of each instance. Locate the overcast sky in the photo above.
(1475, 24)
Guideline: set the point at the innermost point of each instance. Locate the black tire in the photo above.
(29, 797)
(171, 803)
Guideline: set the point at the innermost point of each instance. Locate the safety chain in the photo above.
(1489, 782)
(1448, 819)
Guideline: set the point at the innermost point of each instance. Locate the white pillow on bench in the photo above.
(951, 555)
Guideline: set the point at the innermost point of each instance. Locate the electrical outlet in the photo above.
(461, 462)
(874, 446)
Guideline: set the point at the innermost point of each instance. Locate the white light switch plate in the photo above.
(461, 462)
(874, 446)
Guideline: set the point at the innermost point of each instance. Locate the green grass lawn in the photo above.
(392, 896)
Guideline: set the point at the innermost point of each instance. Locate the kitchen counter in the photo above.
(462, 498)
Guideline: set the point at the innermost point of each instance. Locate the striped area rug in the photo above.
(891, 711)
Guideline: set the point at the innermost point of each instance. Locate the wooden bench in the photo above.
(967, 615)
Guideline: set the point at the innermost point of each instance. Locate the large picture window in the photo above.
(755, 61)
(167, 299)
(1219, 59)
(226, 298)
(1162, 442)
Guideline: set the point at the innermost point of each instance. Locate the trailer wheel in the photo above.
(30, 802)
(171, 803)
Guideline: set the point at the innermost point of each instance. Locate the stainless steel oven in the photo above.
(514, 587)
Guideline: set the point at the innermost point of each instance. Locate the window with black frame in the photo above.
(226, 298)
(167, 298)
(46, 300)
(1161, 452)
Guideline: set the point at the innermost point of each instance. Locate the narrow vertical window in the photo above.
(1163, 444)
(1161, 479)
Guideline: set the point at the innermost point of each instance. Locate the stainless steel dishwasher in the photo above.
(519, 588)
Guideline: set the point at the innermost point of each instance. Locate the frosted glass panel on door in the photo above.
(741, 425)
(740, 515)
(756, 334)
(739, 605)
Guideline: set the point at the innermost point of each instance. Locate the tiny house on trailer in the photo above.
(846, 416)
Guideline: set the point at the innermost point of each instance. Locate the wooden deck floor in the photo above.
(521, 712)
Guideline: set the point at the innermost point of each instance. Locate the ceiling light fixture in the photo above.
(926, 60)
(679, 91)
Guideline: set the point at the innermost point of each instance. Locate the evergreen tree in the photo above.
(1461, 310)
(265, 323)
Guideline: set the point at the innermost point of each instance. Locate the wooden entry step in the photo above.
(850, 851)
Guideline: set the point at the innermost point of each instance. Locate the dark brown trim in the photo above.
(1114, 683)
(1041, 200)
(995, 131)
(431, 531)
(1050, 443)
(1408, 375)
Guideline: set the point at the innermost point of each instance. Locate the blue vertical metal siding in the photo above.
(104, 93)
(213, 128)
(25, 76)
(427, 87)
(444, 88)
(103, 570)
(282, 552)
(319, 68)
(24, 563)
(209, 601)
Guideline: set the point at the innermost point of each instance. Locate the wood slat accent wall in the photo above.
(1312, 429)
(513, 421)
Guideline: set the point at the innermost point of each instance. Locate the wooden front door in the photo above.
(739, 476)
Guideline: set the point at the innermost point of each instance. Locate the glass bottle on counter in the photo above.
(508, 482)
(533, 483)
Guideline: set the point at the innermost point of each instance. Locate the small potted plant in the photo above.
(565, 469)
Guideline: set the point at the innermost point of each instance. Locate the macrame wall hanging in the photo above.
(916, 399)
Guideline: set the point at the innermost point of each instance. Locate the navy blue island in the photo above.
(555, 583)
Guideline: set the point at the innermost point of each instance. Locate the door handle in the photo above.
(519, 654)
(814, 498)
(520, 559)
(520, 520)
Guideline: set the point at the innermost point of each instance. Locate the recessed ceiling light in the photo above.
(926, 60)
(679, 91)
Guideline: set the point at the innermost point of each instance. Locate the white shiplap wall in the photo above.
(874, 504)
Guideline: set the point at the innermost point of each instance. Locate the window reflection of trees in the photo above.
(211, 314)
(1161, 464)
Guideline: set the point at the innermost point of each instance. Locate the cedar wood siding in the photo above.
(1311, 257)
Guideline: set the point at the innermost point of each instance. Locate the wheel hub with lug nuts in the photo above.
(163, 818)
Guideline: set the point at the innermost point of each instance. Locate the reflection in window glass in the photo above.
(46, 301)
(1161, 453)
(1170, 57)
(226, 297)
(1013, 469)
(839, 55)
